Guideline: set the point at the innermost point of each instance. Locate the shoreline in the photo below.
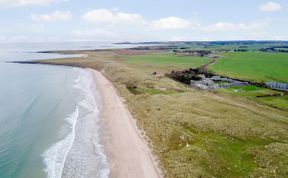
(187, 127)
(126, 149)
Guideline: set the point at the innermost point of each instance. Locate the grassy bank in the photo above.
(273, 98)
(196, 133)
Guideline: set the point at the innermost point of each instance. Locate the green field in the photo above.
(251, 92)
(165, 61)
(253, 66)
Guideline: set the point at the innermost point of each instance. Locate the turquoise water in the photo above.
(35, 99)
(48, 116)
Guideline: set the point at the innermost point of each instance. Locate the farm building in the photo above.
(277, 86)
(211, 83)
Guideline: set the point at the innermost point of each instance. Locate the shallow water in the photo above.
(49, 116)
(35, 102)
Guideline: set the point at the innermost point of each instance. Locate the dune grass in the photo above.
(232, 152)
(253, 66)
(197, 133)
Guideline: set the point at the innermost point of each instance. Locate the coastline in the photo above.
(187, 127)
(127, 151)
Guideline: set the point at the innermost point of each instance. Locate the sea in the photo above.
(49, 123)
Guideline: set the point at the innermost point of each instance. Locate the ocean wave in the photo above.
(89, 120)
(55, 156)
(83, 83)
(80, 152)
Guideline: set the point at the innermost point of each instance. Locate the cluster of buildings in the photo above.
(215, 82)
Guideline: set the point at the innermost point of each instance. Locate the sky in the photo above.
(142, 20)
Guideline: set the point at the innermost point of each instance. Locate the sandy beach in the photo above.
(128, 153)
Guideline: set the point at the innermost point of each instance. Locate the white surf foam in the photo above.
(82, 145)
(90, 122)
(55, 156)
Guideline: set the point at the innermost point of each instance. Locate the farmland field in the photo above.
(166, 61)
(253, 66)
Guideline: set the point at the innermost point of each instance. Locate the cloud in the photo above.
(115, 17)
(166, 28)
(128, 19)
(122, 19)
(17, 3)
(112, 17)
(98, 16)
(3, 37)
(54, 16)
(270, 7)
(170, 23)
(94, 34)
(226, 26)
(19, 38)
(113, 25)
